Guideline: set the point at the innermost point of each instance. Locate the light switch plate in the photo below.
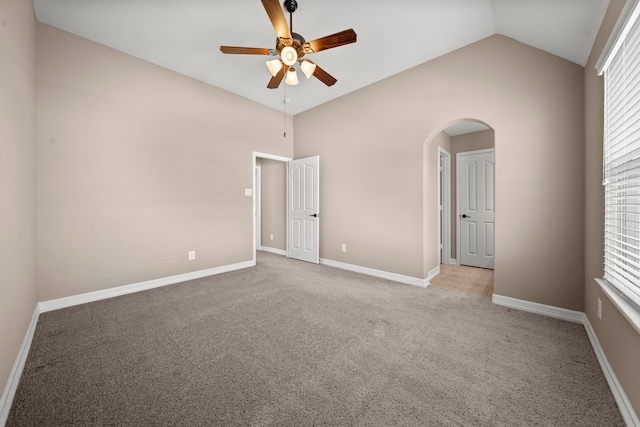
(248, 192)
(599, 309)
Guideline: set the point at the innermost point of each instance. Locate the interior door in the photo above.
(303, 210)
(476, 208)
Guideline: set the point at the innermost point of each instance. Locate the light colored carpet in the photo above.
(294, 344)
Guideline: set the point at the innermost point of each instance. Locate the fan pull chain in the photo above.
(284, 111)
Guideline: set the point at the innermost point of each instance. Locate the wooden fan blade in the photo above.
(329, 42)
(323, 76)
(245, 50)
(275, 80)
(279, 22)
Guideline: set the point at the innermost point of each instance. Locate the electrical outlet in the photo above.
(192, 255)
(599, 309)
(344, 247)
(271, 236)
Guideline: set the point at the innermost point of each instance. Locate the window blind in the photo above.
(622, 166)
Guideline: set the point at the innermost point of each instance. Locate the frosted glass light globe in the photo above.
(289, 55)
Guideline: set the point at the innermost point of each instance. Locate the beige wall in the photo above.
(17, 178)
(620, 341)
(138, 165)
(273, 206)
(372, 173)
(459, 144)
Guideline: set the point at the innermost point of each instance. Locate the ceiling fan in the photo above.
(292, 47)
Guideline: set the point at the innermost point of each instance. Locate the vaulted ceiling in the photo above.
(185, 36)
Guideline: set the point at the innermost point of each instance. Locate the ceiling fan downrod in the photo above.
(291, 6)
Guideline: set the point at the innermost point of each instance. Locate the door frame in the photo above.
(257, 205)
(444, 206)
(458, 204)
(256, 155)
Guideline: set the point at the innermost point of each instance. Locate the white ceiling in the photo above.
(185, 36)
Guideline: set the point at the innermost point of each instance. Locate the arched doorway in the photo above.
(460, 139)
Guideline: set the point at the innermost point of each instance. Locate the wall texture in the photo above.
(17, 178)
(373, 170)
(620, 341)
(138, 165)
(274, 209)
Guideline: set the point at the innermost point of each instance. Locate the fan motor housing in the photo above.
(297, 42)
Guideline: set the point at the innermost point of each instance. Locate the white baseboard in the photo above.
(408, 280)
(16, 372)
(56, 304)
(432, 273)
(273, 250)
(626, 409)
(534, 307)
(453, 261)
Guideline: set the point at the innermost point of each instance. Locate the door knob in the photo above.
(315, 215)
(466, 216)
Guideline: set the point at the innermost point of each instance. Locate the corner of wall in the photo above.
(17, 189)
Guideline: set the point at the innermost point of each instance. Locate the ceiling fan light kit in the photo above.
(308, 67)
(274, 66)
(292, 77)
(292, 47)
(289, 55)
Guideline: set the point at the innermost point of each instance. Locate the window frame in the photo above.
(616, 288)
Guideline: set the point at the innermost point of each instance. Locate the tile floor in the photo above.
(472, 280)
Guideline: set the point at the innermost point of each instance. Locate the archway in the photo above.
(441, 211)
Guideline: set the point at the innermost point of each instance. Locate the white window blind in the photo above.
(622, 165)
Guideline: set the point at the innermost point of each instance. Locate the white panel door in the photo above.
(303, 209)
(476, 208)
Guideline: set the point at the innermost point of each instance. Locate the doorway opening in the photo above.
(444, 149)
(269, 203)
(257, 204)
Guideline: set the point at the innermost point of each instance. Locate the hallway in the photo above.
(462, 278)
